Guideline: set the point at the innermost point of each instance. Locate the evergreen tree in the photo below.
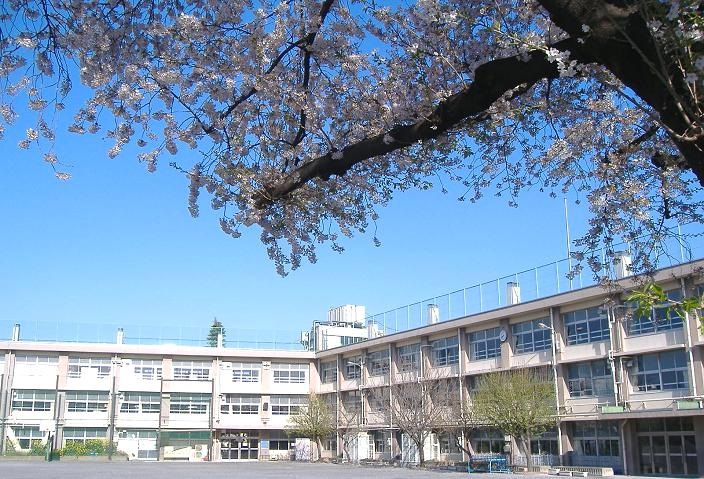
(215, 329)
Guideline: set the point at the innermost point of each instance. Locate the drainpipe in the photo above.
(624, 455)
(2, 413)
(553, 340)
(111, 430)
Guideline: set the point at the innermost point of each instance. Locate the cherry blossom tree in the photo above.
(309, 114)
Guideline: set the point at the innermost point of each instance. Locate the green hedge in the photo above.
(91, 447)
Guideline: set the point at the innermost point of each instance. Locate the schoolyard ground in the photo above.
(69, 469)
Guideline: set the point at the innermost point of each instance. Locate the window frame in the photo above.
(587, 325)
(445, 351)
(489, 338)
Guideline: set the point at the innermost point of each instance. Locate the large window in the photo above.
(448, 443)
(409, 358)
(485, 441)
(27, 435)
(140, 402)
(328, 372)
(596, 438)
(484, 344)
(586, 326)
(285, 373)
(30, 400)
(189, 403)
(245, 372)
(660, 371)
(192, 370)
(82, 434)
(660, 319)
(37, 359)
(352, 404)
(544, 444)
(378, 363)
(236, 404)
(78, 367)
(147, 369)
(87, 401)
(281, 444)
(530, 337)
(590, 379)
(353, 368)
(286, 405)
(445, 351)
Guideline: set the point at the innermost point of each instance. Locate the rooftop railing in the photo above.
(531, 284)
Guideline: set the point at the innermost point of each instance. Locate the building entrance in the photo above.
(239, 446)
(667, 447)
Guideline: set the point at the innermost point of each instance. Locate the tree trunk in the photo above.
(319, 448)
(524, 445)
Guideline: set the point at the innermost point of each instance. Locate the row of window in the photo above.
(148, 402)
(152, 369)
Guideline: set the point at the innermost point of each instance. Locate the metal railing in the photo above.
(535, 283)
(153, 334)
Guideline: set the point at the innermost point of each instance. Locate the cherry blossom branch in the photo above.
(492, 80)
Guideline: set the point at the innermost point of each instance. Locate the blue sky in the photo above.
(116, 245)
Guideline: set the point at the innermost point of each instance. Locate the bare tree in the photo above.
(349, 425)
(462, 420)
(520, 403)
(419, 406)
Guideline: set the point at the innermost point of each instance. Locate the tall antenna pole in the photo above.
(567, 231)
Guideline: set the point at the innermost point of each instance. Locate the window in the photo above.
(353, 368)
(137, 434)
(246, 372)
(78, 367)
(192, 370)
(25, 436)
(586, 326)
(140, 402)
(347, 340)
(448, 443)
(289, 373)
(661, 319)
(590, 379)
(378, 363)
(660, 371)
(484, 344)
(409, 358)
(36, 359)
(236, 404)
(82, 434)
(529, 337)
(86, 401)
(189, 403)
(286, 405)
(596, 438)
(352, 403)
(281, 444)
(445, 351)
(147, 369)
(328, 372)
(487, 441)
(29, 400)
(546, 443)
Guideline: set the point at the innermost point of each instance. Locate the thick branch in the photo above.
(491, 81)
(620, 40)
